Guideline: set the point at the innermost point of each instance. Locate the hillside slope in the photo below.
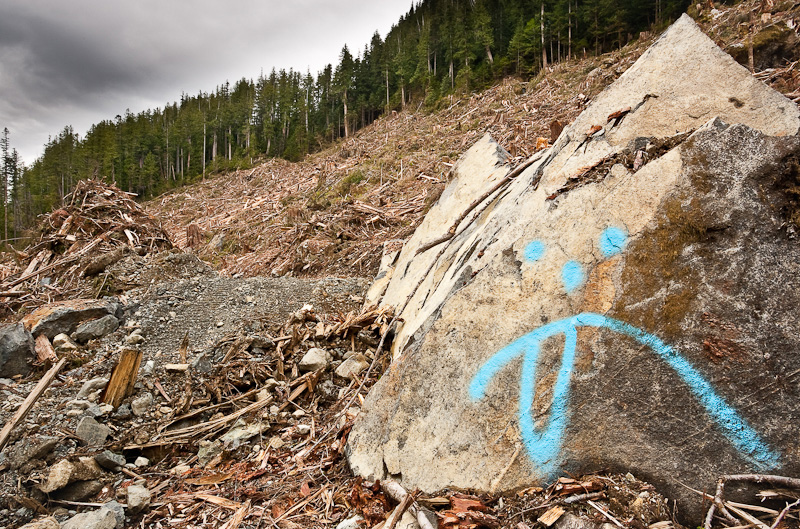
(331, 213)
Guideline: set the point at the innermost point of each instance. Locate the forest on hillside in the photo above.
(439, 48)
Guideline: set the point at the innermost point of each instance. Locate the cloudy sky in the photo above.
(78, 62)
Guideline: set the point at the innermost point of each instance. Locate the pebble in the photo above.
(141, 462)
(92, 432)
(91, 386)
(141, 405)
(138, 499)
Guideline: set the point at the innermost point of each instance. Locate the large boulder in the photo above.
(65, 316)
(17, 350)
(628, 302)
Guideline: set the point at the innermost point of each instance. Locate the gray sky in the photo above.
(77, 62)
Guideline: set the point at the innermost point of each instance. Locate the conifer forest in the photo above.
(439, 48)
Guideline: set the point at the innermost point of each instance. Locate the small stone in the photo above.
(298, 413)
(30, 450)
(141, 405)
(134, 339)
(118, 510)
(220, 323)
(79, 404)
(58, 476)
(207, 451)
(303, 429)
(96, 329)
(138, 499)
(99, 519)
(99, 410)
(123, 412)
(92, 432)
(109, 460)
(141, 462)
(16, 350)
(91, 386)
(62, 343)
(47, 522)
(166, 410)
(274, 410)
(202, 364)
(276, 443)
(149, 368)
(314, 360)
(353, 366)
(351, 523)
(180, 470)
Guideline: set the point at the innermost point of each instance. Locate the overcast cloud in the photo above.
(78, 62)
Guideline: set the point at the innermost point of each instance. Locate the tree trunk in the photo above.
(544, 51)
(204, 149)
(346, 127)
(569, 34)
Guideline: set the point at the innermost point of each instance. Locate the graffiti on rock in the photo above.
(544, 444)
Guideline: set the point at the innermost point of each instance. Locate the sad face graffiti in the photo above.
(544, 444)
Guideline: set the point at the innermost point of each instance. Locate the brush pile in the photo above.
(97, 226)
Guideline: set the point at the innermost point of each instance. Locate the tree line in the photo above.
(438, 48)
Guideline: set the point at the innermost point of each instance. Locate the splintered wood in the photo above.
(123, 377)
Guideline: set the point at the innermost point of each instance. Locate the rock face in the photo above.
(16, 350)
(628, 302)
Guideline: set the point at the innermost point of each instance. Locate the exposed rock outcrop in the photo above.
(627, 302)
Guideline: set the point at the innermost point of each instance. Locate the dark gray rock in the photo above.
(16, 350)
(65, 317)
(30, 450)
(92, 432)
(96, 329)
(109, 460)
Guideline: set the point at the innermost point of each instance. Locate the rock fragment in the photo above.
(353, 366)
(138, 499)
(17, 350)
(315, 359)
(92, 432)
(94, 329)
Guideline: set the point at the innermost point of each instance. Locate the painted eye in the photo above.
(613, 241)
(572, 275)
(534, 251)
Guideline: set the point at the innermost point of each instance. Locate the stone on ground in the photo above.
(315, 359)
(16, 350)
(92, 432)
(138, 499)
(626, 303)
(94, 329)
(65, 316)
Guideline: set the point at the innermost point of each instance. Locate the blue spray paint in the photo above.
(544, 444)
(534, 251)
(612, 241)
(572, 275)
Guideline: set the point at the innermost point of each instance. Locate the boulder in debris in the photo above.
(17, 350)
(94, 329)
(622, 303)
(65, 316)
